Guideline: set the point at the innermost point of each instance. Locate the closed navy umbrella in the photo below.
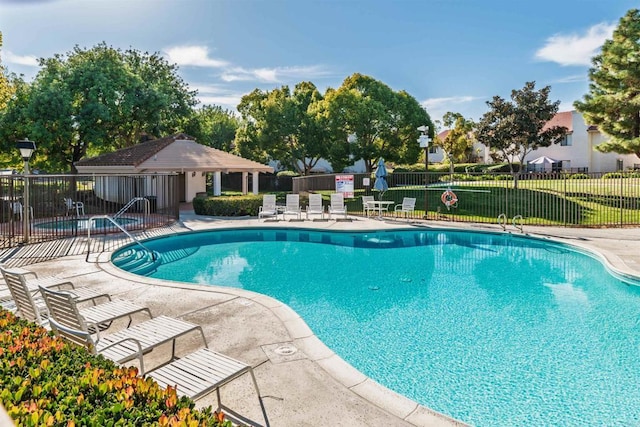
(381, 178)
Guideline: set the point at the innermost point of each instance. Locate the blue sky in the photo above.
(451, 55)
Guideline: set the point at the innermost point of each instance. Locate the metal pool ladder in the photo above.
(502, 222)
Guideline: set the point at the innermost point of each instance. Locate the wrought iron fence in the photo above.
(63, 205)
(553, 199)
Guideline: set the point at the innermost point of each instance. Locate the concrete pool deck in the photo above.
(303, 383)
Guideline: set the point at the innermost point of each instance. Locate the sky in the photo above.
(450, 55)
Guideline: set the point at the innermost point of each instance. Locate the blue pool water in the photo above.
(494, 330)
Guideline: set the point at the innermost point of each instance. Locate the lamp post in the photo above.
(26, 148)
(424, 143)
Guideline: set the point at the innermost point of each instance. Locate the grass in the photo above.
(583, 202)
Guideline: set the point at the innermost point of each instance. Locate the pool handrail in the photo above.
(147, 206)
(114, 222)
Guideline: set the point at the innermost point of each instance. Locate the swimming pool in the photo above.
(491, 329)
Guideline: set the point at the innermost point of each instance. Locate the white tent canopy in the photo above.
(543, 160)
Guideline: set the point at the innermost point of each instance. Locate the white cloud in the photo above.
(274, 75)
(575, 49)
(28, 60)
(229, 102)
(465, 105)
(576, 78)
(196, 56)
(214, 94)
(440, 103)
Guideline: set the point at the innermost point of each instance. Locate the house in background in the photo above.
(576, 151)
(177, 153)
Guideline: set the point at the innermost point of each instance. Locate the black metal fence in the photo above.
(557, 199)
(59, 206)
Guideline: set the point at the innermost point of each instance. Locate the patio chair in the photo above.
(74, 206)
(337, 205)
(408, 206)
(17, 208)
(199, 373)
(292, 206)
(32, 282)
(315, 206)
(367, 208)
(122, 346)
(32, 307)
(268, 207)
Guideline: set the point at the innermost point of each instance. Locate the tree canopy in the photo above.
(280, 125)
(94, 100)
(383, 122)
(213, 126)
(459, 140)
(613, 101)
(6, 89)
(513, 129)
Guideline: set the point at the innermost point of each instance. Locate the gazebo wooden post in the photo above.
(256, 182)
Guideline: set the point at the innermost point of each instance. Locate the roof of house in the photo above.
(564, 118)
(177, 152)
(442, 135)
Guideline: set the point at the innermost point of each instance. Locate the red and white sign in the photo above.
(344, 185)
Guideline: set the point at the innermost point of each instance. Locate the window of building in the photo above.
(433, 149)
(565, 141)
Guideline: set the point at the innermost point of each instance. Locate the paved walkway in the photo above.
(302, 381)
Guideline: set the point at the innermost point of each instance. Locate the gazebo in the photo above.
(181, 154)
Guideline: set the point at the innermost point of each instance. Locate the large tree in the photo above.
(95, 100)
(513, 129)
(613, 101)
(6, 89)
(458, 141)
(280, 125)
(213, 126)
(383, 122)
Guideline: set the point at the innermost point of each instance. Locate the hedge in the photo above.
(47, 381)
(237, 205)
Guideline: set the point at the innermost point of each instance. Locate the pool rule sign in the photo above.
(344, 185)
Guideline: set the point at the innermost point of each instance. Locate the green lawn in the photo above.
(584, 202)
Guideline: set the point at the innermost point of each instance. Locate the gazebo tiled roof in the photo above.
(133, 156)
(173, 153)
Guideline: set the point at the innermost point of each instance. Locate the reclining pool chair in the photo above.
(292, 206)
(268, 207)
(31, 281)
(337, 205)
(32, 307)
(315, 206)
(193, 375)
(121, 346)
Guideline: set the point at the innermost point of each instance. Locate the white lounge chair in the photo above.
(32, 307)
(202, 372)
(74, 206)
(292, 206)
(121, 346)
(315, 206)
(31, 281)
(268, 207)
(337, 205)
(367, 208)
(18, 209)
(408, 206)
